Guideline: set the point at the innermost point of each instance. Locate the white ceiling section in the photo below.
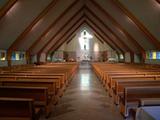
(148, 13)
(63, 31)
(126, 25)
(105, 38)
(69, 33)
(111, 26)
(107, 32)
(61, 22)
(43, 24)
(18, 18)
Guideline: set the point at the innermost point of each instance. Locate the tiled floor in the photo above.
(85, 99)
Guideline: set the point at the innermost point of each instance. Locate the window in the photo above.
(84, 40)
(2, 56)
(153, 55)
(18, 56)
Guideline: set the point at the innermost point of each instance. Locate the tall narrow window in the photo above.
(84, 40)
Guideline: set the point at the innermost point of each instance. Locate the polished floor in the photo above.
(85, 99)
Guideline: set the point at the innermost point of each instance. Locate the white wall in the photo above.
(127, 57)
(136, 58)
(43, 57)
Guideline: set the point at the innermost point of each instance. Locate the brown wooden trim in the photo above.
(31, 25)
(117, 45)
(7, 7)
(117, 25)
(51, 26)
(141, 27)
(50, 40)
(158, 1)
(117, 37)
(70, 39)
(106, 40)
(99, 39)
(79, 20)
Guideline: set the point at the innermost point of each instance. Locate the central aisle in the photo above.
(85, 99)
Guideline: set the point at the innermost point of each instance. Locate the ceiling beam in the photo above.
(139, 25)
(117, 45)
(7, 7)
(98, 38)
(31, 25)
(70, 39)
(59, 42)
(51, 26)
(72, 35)
(106, 40)
(95, 30)
(69, 21)
(158, 1)
(117, 25)
(117, 37)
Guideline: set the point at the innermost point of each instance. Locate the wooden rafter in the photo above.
(158, 1)
(70, 39)
(102, 31)
(98, 38)
(141, 27)
(51, 26)
(116, 24)
(117, 37)
(7, 7)
(60, 29)
(31, 25)
(102, 36)
(106, 40)
(60, 42)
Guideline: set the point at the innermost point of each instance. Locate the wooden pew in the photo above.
(133, 95)
(112, 81)
(121, 84)
(38, 94)
(18, 109)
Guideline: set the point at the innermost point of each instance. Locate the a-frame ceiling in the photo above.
(43, 26)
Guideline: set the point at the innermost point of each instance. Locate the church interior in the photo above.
(79, 59)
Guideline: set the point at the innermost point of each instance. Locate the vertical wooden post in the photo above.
(38, 58)
(9, 55)
(28, 58)
(132, 57)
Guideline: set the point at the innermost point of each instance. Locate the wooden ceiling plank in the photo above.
(52, 25)
(31, 25)
(117, 25)
(139, 25)
(70, 20)
(119, 39)
(7, 7)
